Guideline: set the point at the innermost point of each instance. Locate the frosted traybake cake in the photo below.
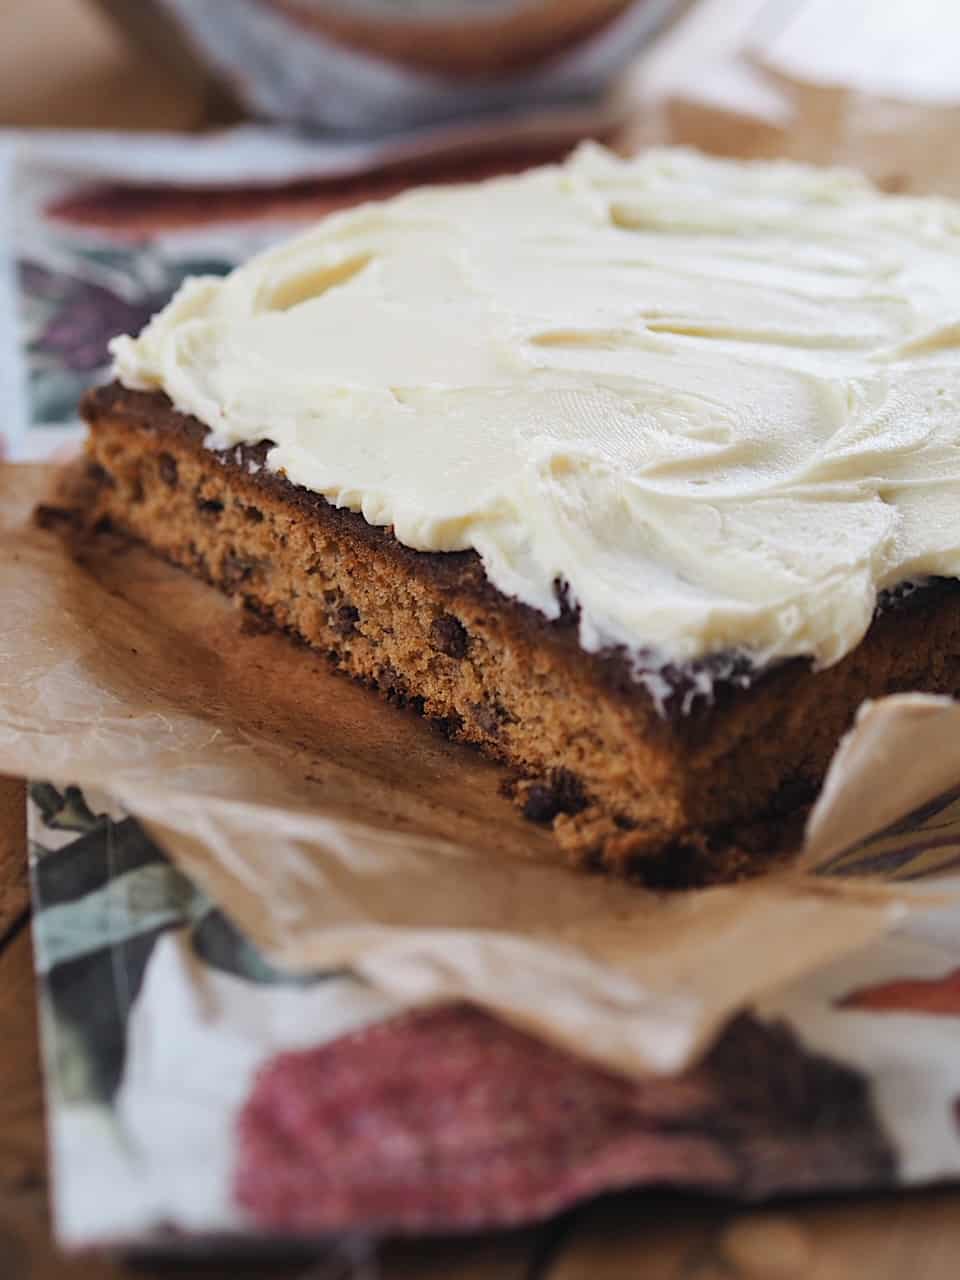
(640, 475)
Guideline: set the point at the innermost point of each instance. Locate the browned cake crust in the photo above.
(691, 787)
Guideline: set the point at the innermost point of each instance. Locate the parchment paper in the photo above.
(336, 829)
(866, 83)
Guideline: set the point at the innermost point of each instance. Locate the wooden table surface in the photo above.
(62, 64)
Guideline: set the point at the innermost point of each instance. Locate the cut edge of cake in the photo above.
(690, 790)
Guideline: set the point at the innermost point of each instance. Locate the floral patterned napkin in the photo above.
(195, 1091)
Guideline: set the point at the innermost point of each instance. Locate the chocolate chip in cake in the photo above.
(449, 636)
(167, 469)
(540, 804)
(794, 792)
(679, 866)
(562, 792)
(51, 517)
(210, 507)
(100, 475)
(345, 620)
(450, 726)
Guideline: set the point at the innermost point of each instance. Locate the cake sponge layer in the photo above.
(685, 786)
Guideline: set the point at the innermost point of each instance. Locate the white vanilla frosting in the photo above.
(720, 400)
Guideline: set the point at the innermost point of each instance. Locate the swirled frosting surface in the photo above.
(721, 401)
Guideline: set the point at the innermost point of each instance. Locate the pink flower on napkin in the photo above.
(447, 1119)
